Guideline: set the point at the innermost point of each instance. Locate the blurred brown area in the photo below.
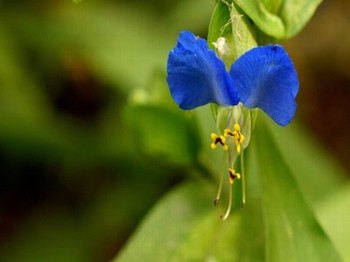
(321, 53)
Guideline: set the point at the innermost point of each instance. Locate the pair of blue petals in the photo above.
(263, 77)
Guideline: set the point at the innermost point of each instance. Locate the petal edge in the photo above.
(265, 77)
(196, 76)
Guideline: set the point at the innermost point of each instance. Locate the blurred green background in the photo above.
(75, 179)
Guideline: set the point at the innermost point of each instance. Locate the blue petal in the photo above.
(196, 76)
(265, 77)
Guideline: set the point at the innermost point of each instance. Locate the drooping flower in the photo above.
(263, 77)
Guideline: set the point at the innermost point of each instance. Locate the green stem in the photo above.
(228, 210)
(217, 199)
(243, 178)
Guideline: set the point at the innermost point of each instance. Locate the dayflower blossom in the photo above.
(263, 77)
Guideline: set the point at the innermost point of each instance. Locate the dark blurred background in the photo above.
(73, 182)
(321, 53)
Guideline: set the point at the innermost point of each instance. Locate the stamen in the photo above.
(218, 195)
(243, 179)
(238, 148)
(228, 210)
(232, 177)
(228, 132)
(237, 136)
(237, 121)
(218, 139)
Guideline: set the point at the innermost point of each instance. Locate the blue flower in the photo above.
(263, 77)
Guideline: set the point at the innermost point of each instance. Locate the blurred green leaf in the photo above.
(185, 226)
(156, 92)
(292, 231)
(317, 173)
(168, 228)
(29, 127)
(20, 97)
(191, 15)
(163, 133)
(120, 43)
(335, 218)
(49, 235)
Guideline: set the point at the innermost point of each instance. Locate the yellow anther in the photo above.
(227, 132)
(241, 140)
(218, 139)
(238, 137)
(233, 175)
(213, 137)
(238, 148)
(237, 127)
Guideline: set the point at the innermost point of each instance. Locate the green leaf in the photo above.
(229, 22)
(220, 26)
(292, 231)
(163, 133)
(219, 23)
(279, 19)
(295, 15)
(273, 5)
(185, 226)
(268, 22)
(167, 231)
(334, 217)
(317, 173)
(243, 32)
